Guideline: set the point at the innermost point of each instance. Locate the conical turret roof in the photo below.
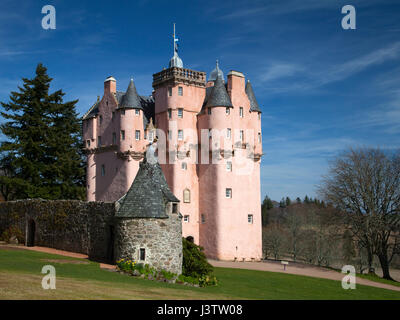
(252, 98)
(131, 98)
(219, 96)
(148, 195)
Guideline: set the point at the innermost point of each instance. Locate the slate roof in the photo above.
(131, 99)
(148, 194)
(93, 111)
(219, 96)
(250, 94)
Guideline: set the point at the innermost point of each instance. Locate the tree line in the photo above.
(357, 222)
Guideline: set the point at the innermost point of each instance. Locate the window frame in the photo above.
(230, 193)
(137, 135)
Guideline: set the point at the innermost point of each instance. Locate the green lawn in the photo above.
(20, 278)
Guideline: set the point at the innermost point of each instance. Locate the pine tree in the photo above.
(298, 200)
(42, 155)
(288, 201)
(266, 205)
(306, 200)
(282, 203)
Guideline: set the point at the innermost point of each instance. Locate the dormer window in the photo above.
(174, 208)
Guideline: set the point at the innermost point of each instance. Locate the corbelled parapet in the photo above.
(175, 75)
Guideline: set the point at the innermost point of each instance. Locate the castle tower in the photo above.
(179, 94)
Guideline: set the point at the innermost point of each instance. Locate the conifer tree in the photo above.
(298, 200)
(42, 155)
(288, 201)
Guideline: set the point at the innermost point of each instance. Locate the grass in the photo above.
(20, 278)
(376, 278)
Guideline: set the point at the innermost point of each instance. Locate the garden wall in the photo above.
(71, 225)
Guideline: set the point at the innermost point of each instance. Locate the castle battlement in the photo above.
(174, 75)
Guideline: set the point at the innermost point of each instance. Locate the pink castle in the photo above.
(209, 148)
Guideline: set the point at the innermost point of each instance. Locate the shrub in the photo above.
(13, 231)
(195, 263)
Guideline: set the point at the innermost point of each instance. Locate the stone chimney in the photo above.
(236, 81)
(110, 85)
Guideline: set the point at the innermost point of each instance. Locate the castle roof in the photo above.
(148, 194)
(131, 99)
(215, 73)
(252, 98)
(218, 96)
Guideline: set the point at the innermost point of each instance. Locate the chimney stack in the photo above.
(110, 85)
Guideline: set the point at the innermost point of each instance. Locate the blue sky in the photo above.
(321, 88)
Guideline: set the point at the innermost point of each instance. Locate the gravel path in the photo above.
(298, 269)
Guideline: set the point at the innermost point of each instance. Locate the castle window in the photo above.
(228, 166)
(228, 133)
(170, 91)
(114, 138)
(174, 208)
(169, 114)
(137, 112)
(151, 134)
(180, 91)
(99, 141)
(103, 170)
(241, 112)
(209, 110)
(241, 135)
(184, 166)
(250, 219)
(186, 218)
(186, 196)
(180, 134)
(180, 112)
(122, 134)
(203, 218)
(209, 133)
(113, 116)
(228, 111)
(137, 134)
(228, 193)
(101, 119)
(142, 254)
(259, 137)
(88, 143)
(259, 116)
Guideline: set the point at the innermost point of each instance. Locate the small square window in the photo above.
(137, 134)
(180, 91)
(228, 193)
(142, 254)
(228, 111)
(250, 219)
(186, 218)
(137, 112)
(122, 134)
(184, 166)
(170, 91)
(180, 112)
(228, 166)
(180, 134)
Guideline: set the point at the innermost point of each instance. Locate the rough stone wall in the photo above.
(70, 225)
(161, 239)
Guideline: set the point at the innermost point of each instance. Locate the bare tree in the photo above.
(365, 183)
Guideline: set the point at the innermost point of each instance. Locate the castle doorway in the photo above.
(110, 249)
(31, 233)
